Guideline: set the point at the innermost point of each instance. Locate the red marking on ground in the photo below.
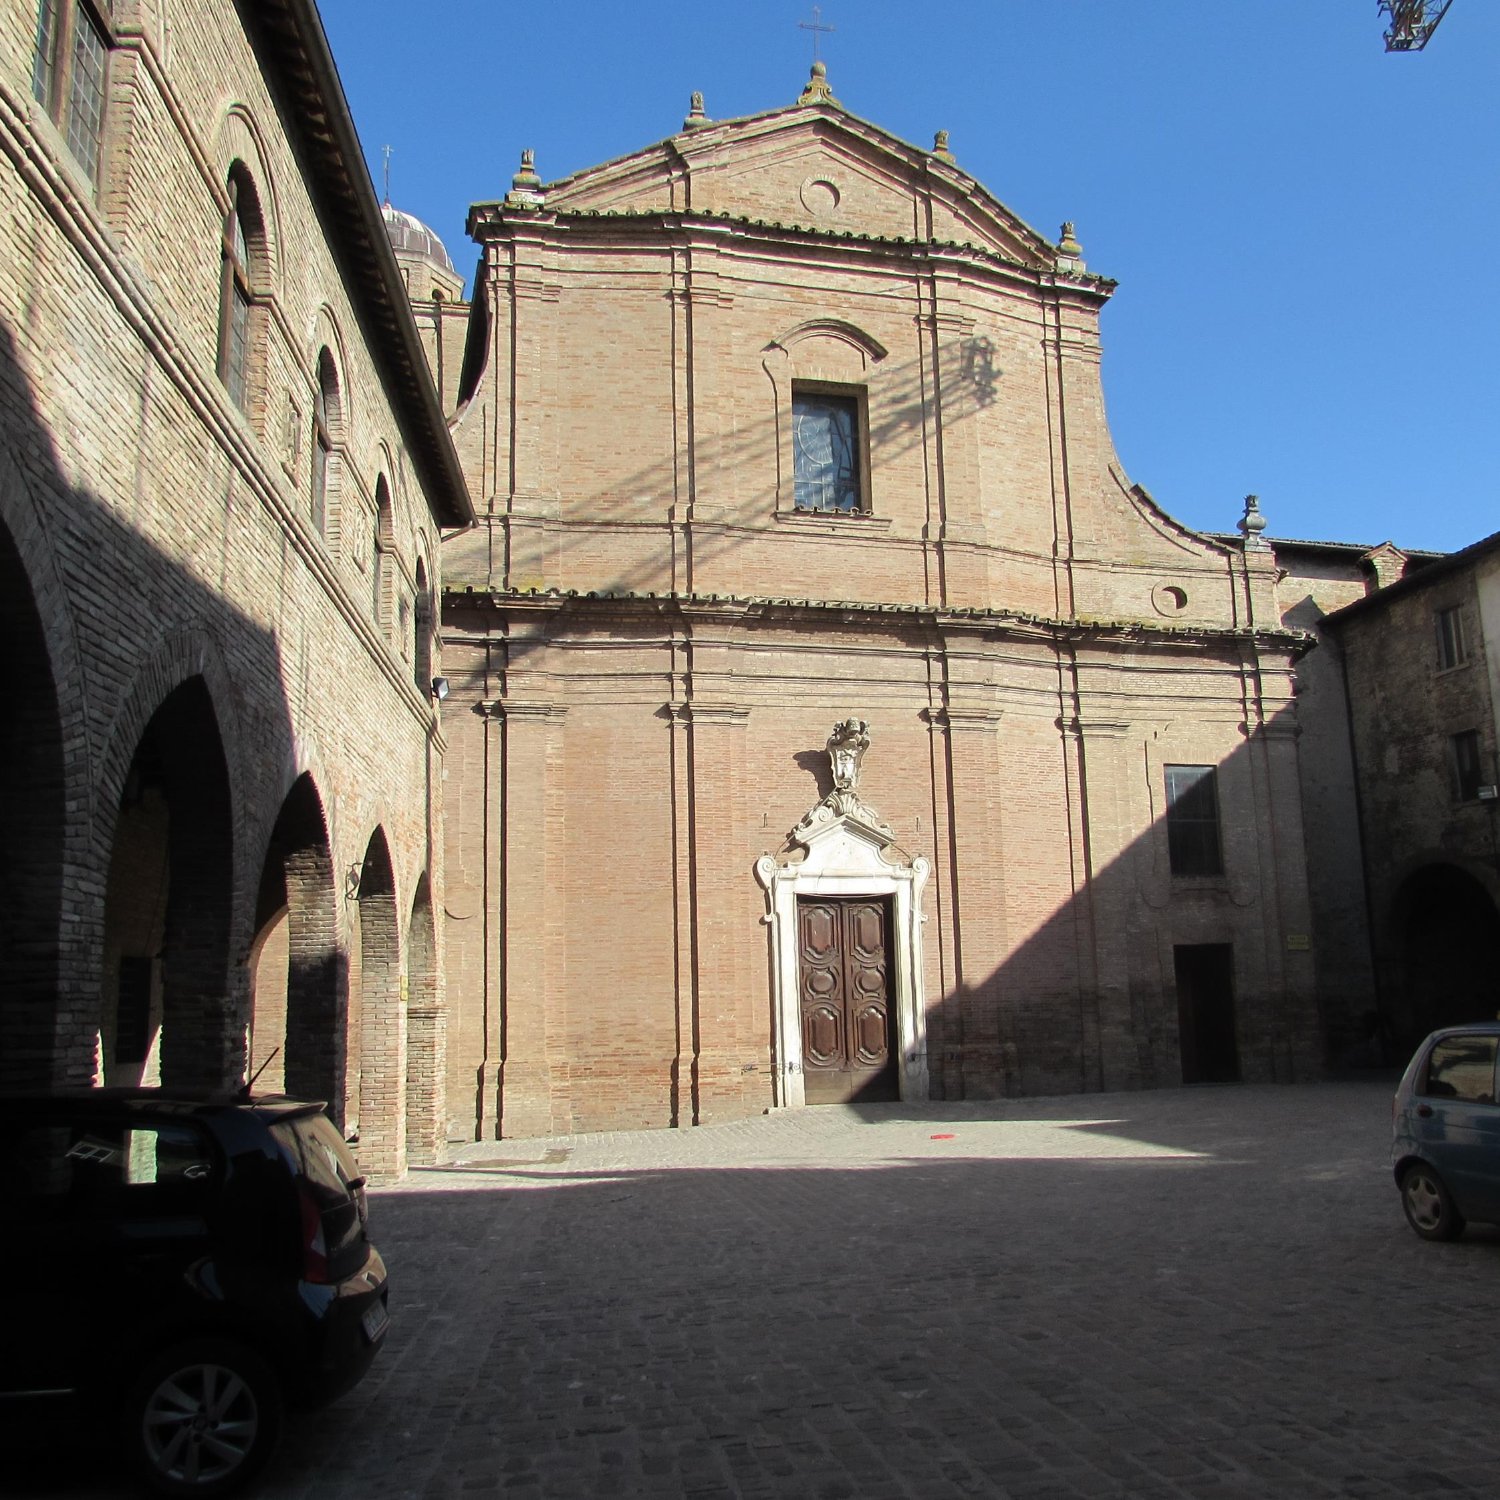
(940, 1137)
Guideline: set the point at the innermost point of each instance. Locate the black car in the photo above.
(184, 1267)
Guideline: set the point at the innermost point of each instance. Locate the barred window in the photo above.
(69, 76)
(1193, 820)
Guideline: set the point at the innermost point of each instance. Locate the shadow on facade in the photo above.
(704, 486)
(1142, 978)
(142, 753)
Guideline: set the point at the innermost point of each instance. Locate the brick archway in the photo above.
(165, 1005)
(382, 1015)
(298, 978)
(32, 832)
(426, 1034)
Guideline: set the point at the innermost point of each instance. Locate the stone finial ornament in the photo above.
(940, 146)
(846, 749)
(818, 90)
(1068, 243)
(696, 119)
(526, 186)
(1252, 523)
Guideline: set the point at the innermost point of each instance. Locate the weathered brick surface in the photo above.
(1435, 944)
(152, 535)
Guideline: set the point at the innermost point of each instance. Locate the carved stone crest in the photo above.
(846, 748)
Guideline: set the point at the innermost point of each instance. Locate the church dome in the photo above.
(410, 236)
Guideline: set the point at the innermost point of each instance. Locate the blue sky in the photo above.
(1303, 226)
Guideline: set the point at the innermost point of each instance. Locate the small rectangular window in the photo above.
(1466, 774)
(1193, 820)
(69, 76)
(1450, 638)
(828, 444)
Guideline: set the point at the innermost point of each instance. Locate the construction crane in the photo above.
(1412, 22)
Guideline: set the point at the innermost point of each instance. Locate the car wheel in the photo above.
(202, 1418)
(1430, 1208)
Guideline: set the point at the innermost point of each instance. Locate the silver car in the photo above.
(1445, 1138)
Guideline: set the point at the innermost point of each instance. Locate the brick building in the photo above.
(224, 476)
(783, 424)
(1422, 665)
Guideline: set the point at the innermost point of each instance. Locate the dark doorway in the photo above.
(844, 985)
(1449, 933)
(1205, 1012)
(166, 1013)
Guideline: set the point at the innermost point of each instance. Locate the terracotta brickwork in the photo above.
(656, 640)
(175, 581)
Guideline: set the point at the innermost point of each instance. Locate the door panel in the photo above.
(844, 980)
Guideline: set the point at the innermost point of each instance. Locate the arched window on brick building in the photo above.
(327, 431)
(421, 655)
(241, 255)
(384, 544)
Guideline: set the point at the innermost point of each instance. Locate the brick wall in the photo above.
(160, 536)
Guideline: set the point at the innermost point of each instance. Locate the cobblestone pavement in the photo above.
(1202, 1292)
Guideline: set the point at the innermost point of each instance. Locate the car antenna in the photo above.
(250, 1082)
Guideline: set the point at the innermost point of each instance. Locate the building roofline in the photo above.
(289, 36)
(1444, 565)
(1358, 549)
(837, 114)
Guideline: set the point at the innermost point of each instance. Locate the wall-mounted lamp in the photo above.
(439, 688)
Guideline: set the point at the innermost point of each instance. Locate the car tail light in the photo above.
(314, 1245)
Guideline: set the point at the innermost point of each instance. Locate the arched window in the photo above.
(327, 413)
(421, 655)
(383, 541)
(236, 285)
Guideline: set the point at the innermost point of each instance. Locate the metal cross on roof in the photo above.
(816, 28)
(387, 152)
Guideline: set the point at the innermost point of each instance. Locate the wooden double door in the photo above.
(849, 1047)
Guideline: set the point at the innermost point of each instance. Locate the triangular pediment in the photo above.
(812, 166)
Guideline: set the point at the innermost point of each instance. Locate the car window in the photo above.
(1462, 1067)
(97, 1163)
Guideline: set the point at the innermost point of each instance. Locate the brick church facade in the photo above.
(790, 452)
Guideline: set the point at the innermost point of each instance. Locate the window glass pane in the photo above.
(1463, 1067)
(1450, 638)
(825, 432)
(44, 69)
(239, 345)
(320, 480)
(1193, 820)
(86, 92)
